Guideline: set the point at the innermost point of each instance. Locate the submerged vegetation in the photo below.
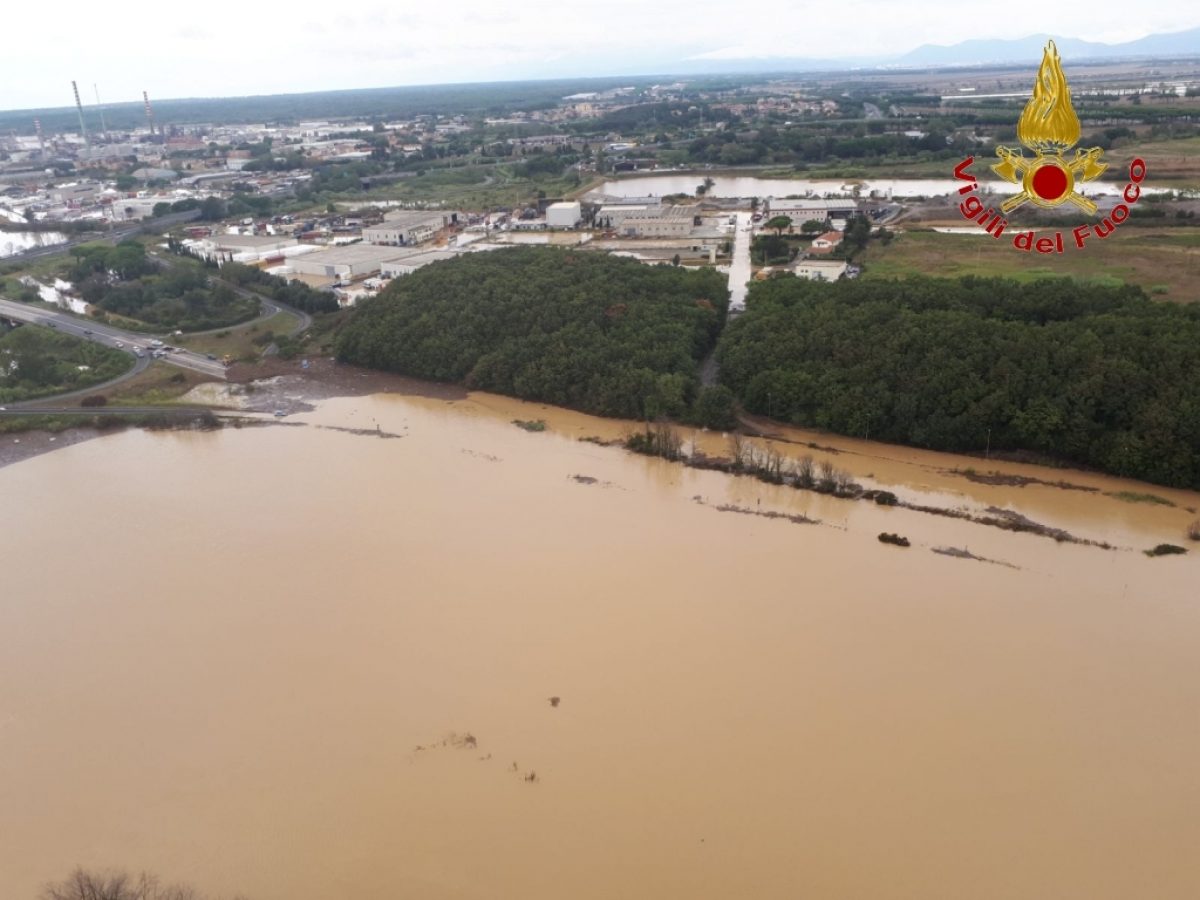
(584, 330)
(530, 424)
(1166, 550)
(1099, 376)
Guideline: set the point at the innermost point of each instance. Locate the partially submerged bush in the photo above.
(1166, 550)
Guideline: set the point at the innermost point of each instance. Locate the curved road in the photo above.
(137, 345)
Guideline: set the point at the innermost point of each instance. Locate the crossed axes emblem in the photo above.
(1049, 188)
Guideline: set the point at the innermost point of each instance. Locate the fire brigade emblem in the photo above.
(1049, 128)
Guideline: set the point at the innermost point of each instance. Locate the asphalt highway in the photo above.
(138, 345)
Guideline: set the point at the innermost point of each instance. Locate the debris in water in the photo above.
(963, 553)
(530, 424)
(898, 540)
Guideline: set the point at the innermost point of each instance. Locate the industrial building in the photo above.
(244, 247)
(343, 263)
(806, 210)
(404, 227)
(406, 265)
(564, 214)
(648, 220)
(820, 269)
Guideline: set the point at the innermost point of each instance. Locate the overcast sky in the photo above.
(265, 46)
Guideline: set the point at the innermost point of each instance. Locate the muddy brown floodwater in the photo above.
(220, 653)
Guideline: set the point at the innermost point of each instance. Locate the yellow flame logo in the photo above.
(1049, 126)
(1049, 123)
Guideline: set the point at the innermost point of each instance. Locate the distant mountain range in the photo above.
(1029, 49)
(1026, 50)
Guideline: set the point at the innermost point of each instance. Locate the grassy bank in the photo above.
(1163, 262)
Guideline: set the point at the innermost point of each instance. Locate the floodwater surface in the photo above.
(303, 663)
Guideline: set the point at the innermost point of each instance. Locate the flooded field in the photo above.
(14, 242)
(749, 186)
(302, 662)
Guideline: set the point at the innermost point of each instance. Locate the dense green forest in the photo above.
(36, 362)
(1095, 375)
(579, 329)
(123, 280)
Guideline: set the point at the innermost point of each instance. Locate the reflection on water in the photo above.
(220, 652)
(745, 186)
(13, 242)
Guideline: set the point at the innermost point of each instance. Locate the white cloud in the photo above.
(187, 50)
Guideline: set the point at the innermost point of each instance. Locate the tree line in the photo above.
(1099, 376)
(580, 329)
(296, 294)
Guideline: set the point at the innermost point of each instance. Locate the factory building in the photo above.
(405, 227)
(805, 210)
(564, 215)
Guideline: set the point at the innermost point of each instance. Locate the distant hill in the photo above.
(1179, 43)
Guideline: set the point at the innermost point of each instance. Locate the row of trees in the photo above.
(1096, 375)
(585, 330)
(293, 293)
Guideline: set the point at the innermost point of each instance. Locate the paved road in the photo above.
(129, 341)
(270, 307)
(739, 266)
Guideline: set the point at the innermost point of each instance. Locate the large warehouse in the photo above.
(404, 227)
(345, 262)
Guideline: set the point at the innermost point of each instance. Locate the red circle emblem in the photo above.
(1049, 182)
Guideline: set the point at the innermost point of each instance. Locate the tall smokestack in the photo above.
(37, 126)
(149, 112)
(100, 107)
(79, 106)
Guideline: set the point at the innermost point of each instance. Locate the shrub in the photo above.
(1166, 550)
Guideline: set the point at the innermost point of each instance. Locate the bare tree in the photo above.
(773, 465)
(738, 448)
(843, 481)
(84, 885)
(804, 472)
(827, 478)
